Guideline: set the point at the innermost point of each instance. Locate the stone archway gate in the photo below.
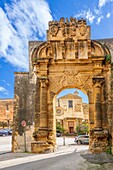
(69, 59)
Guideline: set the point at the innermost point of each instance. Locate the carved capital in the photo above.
(98, 80)
(43, 83)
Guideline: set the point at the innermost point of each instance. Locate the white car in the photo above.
(82, 139)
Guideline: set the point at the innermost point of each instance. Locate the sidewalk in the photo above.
(9, 159)
(84, 159)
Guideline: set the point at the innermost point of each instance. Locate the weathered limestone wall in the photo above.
(32, 46)
(109, 96)
(112, 106)
(23, 110)
(109, 43)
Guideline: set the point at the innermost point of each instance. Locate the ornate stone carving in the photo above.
(54, 30)
(62, 21)
(98, 80)
(65, 30)
(82, 27)
(68, 28)
(83, 30)
(73, 30)
(68, 77)
(43, 82)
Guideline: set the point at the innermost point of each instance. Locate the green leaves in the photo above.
(34, 59)
(108, 58)
(59, 128)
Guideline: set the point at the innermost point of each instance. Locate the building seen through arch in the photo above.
(71, 111)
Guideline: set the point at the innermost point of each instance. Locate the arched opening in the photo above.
(71, 112)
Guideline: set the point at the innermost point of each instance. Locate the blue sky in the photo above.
(80, 93)
(24, 20)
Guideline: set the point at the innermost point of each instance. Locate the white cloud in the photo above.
(103, 2)
(6, 93)
(90, 16)
(20, 22)
(87, 15)
(8, 84)
(99, 19)
(2, 89)
(4, 81)
(108, 15)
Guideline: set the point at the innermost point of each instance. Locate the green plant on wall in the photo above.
(34, 59)
(108, 58)
(109, 151)
(59, 128)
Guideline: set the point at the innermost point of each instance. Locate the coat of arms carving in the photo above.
(82, 29)
(53, 30)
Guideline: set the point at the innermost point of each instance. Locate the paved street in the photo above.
(5, 143)
(70, 161)
(30, 161)
(68, 157)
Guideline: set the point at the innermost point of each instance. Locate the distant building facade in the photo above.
(71, 111)
(6, 113)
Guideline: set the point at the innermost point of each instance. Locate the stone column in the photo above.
(43, 125)
(98, 135)
(41, 144)
(51, 121)
(91, 108)
(37, 105)
(98, 116)
(43, 103)
(97, 100)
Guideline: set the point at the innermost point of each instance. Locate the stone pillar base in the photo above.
(98, 141)
(41, 147)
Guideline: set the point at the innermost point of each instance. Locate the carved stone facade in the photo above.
(68, 59)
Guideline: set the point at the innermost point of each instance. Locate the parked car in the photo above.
(9, 131)
(82, 139)
(3, 132)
